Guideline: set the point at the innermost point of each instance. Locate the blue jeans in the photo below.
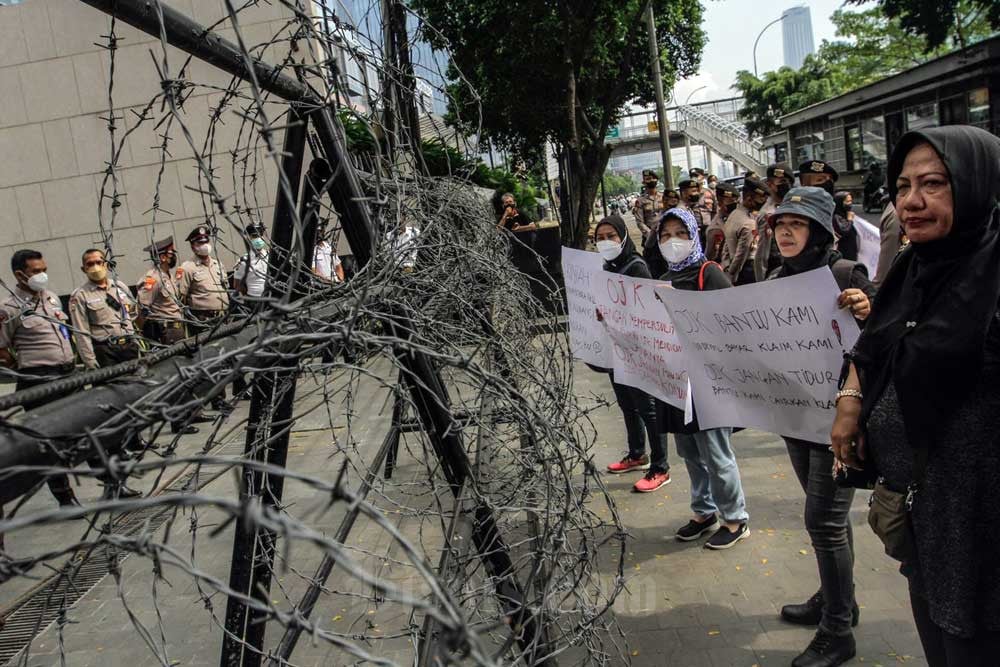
(715, 477)
(639, 413)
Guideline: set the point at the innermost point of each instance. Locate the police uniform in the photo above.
(201, 284)
(102, 318)
(700, 212)
(159, 300)
(715, 233)
(741, 238)
(646, 210)
(34, 326)
(767, 258)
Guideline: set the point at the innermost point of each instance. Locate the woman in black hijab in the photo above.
(638, 408)
(925, 379)
(803, 226)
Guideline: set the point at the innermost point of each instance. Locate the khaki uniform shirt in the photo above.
(646, 210)
(701, 214)
(767, 245)
(202, 286)
(715, 237)
(33, 324)
(158, 295)
(96, 320)
(740, 230)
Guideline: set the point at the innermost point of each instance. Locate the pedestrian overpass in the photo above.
(712, 124)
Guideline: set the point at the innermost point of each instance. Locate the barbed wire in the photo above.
(466, 310)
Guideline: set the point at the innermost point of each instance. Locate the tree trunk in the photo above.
(586, 168)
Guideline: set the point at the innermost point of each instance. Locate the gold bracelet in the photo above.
(853, 393)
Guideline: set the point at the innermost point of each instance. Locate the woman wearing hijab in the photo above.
(921, 401)
(803, 229)
(638, 410)
(843, 222)
(716, 488)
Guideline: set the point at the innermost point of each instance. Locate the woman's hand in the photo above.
(846, 437)
(856, 301)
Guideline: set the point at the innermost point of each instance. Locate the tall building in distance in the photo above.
(797, 35)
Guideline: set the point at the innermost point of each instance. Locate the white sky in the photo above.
(732, 26)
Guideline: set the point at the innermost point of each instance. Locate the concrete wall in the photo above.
(55, 145)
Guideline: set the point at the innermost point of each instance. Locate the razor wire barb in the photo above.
(529, 436)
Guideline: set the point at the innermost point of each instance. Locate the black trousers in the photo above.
(58, 484)
(165, 333)
(827, 519)
(943, 649)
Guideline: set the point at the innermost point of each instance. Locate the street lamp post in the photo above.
(780, 18)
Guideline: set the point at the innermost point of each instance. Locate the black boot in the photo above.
(113, 491)
(826, 650)
(181, 429)
(810, 612)
(71, 503)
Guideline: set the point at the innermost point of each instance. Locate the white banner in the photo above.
(765, 356)
(646, 349)
(588, 339)
(869, 244)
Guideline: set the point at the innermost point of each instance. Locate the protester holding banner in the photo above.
(923, 389)
(803, 228)
(716, 488)
(638, 411)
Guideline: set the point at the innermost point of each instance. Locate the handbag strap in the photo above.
(920, 456)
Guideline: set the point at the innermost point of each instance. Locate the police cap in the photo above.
(780, 170)
(751, 184)
(649, 173)
(199, 232)
(817, 167)
(695, 172)
(688, 183)
(160, 247)
(255, 229)
(726, 189)
(671, 193)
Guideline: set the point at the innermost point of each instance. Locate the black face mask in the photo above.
(730, 207)
(829, 186)
(782, 189)
(172, 262)
(693, 199)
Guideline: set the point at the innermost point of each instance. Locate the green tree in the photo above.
(870, 45)
(941, 22)
(528, 71)
(619, 184)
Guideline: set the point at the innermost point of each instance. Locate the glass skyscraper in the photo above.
(796, 35)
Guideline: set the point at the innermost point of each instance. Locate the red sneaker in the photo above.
(653, 480)
(628, 465)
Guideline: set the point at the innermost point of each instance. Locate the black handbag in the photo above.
(889, 512)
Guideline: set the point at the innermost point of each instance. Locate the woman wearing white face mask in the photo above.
(637, 406)
(716, 488)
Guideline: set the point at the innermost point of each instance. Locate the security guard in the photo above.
(715, 234)
(201, 282)
(697, 174)
(102, 310)
(741, 233)
(35, 340)
(159, 301)
(779, 181)
(648, 205)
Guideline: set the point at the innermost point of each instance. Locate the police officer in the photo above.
(35, 340)
(102, 310)
(691, 200)
(818, 174)
(159, 302)
(671, 198)
(741, 233)
(648, 205)
(201, 282)
(715, 234)
(250, 272)
(779, 181)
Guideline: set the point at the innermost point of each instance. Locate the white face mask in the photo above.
(609, 249)
(676, 250)
(203, 250)
(38, 282)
